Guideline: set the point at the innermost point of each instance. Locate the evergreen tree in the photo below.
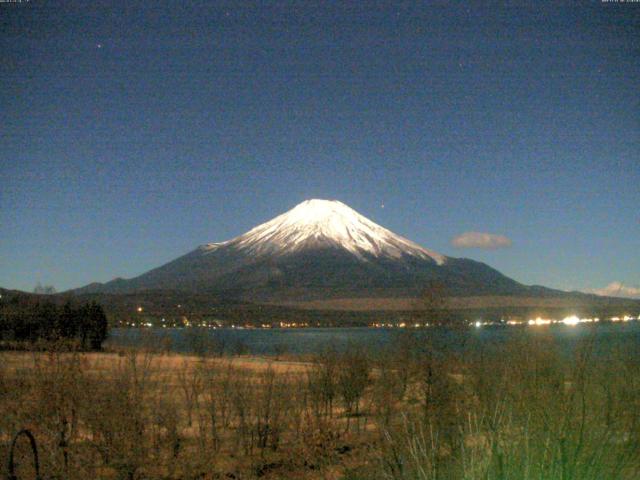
(68, 321)
(25, 320)
(98, 326)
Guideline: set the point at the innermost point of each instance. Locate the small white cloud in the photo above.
(617, 289)
(487, 241)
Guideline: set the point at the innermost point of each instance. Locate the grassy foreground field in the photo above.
(521, 410)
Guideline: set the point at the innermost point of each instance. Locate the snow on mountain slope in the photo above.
(325, 223)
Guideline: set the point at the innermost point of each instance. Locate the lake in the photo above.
(310, 340)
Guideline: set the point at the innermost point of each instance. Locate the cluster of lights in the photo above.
(626, 318)
(141, 324)
(573, 320)
(539, 321)
(184, 322)
(570, 320)
(398, 325)
(293, 324)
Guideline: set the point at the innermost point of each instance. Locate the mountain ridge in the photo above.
(318, 249)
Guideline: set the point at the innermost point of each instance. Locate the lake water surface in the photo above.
(310, 340)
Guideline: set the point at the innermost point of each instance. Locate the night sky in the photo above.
(131, 132)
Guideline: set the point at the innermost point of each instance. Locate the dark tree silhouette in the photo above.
(431, 305)
(98, 325)
(29, 320)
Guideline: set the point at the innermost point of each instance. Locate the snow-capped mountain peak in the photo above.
(325, 223)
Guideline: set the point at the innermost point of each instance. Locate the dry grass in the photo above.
(167, 363)
(522, 410)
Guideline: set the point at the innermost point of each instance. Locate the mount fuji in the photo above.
(320, 249)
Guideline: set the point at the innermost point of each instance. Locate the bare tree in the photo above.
(431, 306)
(44, 289)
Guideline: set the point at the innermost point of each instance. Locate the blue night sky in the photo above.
(132, 132)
